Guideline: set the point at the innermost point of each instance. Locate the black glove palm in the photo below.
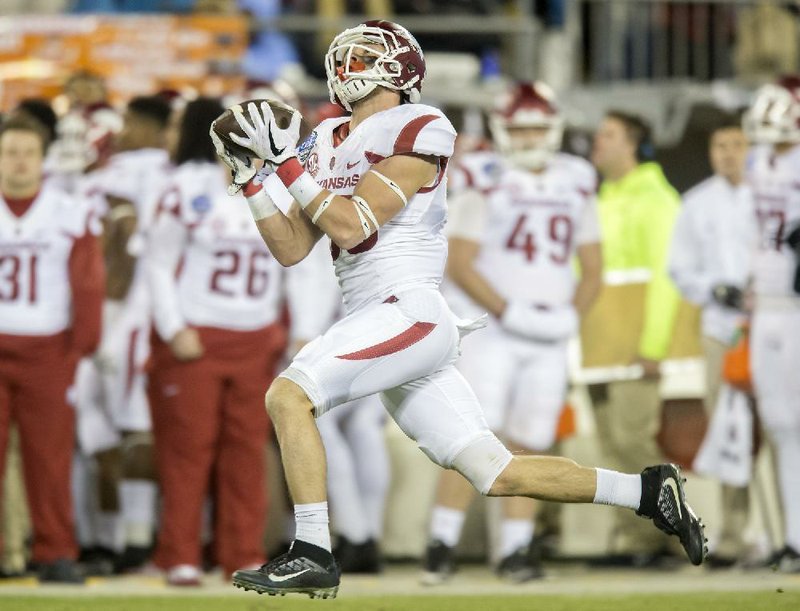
(728, 296)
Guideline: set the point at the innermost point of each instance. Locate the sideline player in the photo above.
(216, 293)
(513, 233)
(773, 122)
(710, 259)
(51, 289)
(128, 186)
(374, 183)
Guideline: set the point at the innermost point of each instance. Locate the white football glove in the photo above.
(539, 325)
(267, 141)
(242, 168)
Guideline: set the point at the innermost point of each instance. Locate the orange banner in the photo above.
(137, 55)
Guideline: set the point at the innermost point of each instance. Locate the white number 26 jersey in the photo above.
(208, 266)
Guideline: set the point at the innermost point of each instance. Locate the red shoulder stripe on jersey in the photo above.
(408, 135)
(399, 342)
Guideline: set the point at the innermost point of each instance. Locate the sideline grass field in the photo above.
(707, 601)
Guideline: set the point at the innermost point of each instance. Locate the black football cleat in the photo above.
(361, 558)
(439, 565)
(62, 570)
(524, 565)
(664, 502)
(304, 569)
(786, 560)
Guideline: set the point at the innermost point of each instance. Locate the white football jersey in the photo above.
(775, 180)
(528, 225)
(207, 263)
(713, 243)
(410, 250)
(313, 295)
(139, 177)
(35, 249)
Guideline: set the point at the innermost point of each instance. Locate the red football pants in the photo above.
(35, 373)
(210, 429)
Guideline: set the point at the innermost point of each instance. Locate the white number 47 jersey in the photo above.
(528, 224)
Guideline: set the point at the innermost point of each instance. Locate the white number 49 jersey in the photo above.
(528, 224)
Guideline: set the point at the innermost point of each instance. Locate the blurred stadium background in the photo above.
(679, 64)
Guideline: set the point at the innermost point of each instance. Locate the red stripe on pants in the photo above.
(210, 429)
(35, 373)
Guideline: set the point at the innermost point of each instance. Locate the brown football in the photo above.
(226, 123)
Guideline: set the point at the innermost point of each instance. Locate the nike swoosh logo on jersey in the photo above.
(672, 485)
(280, 578)
(272, 147)
(350, 166)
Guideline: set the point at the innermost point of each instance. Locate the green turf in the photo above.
(733, 601)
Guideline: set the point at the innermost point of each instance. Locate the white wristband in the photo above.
(261, 205)
(299, 183)
(304, 190)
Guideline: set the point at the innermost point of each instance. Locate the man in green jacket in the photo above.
(637, 208)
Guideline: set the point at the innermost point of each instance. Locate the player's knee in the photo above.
(482, 462)
(285, 399)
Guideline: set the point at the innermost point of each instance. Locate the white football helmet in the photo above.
(85, 138)
(527, 105)
(774, 116)
(399, 63)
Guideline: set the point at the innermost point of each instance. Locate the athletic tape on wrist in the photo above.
(261, 204)
(322, 207)
(301, 186)
(393, 186)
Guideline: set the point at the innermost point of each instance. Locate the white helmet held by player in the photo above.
(399, 63)
(527, 105)
(774, 116)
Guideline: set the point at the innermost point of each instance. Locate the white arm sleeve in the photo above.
(686, 261)
(313, 294)
(466, 215)
(589, 228)
(166, 241)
